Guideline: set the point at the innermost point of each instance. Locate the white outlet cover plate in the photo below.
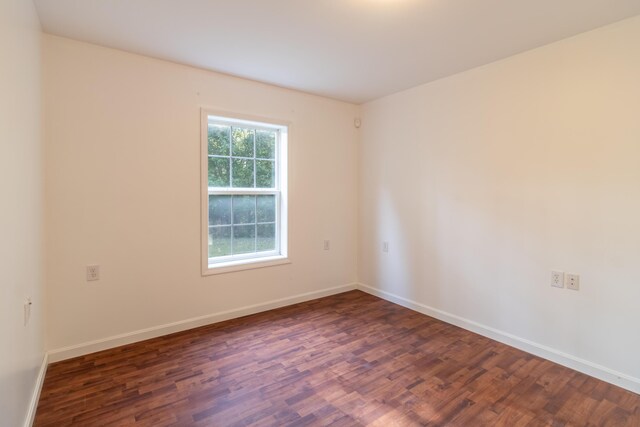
(572, 281)
(557, 279)
(93, 273)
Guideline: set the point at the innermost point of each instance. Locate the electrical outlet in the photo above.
(93, 273)
(385, 246)
(326, 245)
(557, 279)
(572, 281)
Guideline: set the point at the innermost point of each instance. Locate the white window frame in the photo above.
(252, 260)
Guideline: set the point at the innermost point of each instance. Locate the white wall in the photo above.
(482, 183)
(485, 181)
(21, 347)
(123, 191)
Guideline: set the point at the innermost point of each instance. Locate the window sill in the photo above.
(245, 264)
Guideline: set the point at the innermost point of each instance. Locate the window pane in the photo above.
(266, 237)
(244, 209)
(266, 208)
(265, 144)
(219, 210)
(244, 239)
(265, 174)
(242, 142)
(218, 172)
(219, 241)
(242, 173)
(219, 139)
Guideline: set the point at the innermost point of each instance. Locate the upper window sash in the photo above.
(253, 126)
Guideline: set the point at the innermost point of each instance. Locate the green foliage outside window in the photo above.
(241, 158)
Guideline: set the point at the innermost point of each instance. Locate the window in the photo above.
(244, 197)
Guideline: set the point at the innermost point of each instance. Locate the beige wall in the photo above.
(21, 347)
(482, 183)
(123, 191)
(485, 181)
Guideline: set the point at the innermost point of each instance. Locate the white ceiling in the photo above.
(353, 50)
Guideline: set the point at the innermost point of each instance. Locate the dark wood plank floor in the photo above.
(346, 360)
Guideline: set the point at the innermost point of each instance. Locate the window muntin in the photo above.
(244, 190)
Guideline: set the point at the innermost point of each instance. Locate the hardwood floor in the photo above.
(346, 360)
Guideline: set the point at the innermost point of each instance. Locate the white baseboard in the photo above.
(586, 367)
(35, 396)
(57, 355)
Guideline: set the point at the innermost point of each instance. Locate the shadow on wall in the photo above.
(462, 252)
(13, 402)
(392, 258)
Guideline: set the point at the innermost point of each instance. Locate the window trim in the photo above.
(250, 261)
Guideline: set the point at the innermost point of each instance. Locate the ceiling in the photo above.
(352, 50)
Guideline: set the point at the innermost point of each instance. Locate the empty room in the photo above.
(320, 213)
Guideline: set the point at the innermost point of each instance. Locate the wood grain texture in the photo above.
(346, 360)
